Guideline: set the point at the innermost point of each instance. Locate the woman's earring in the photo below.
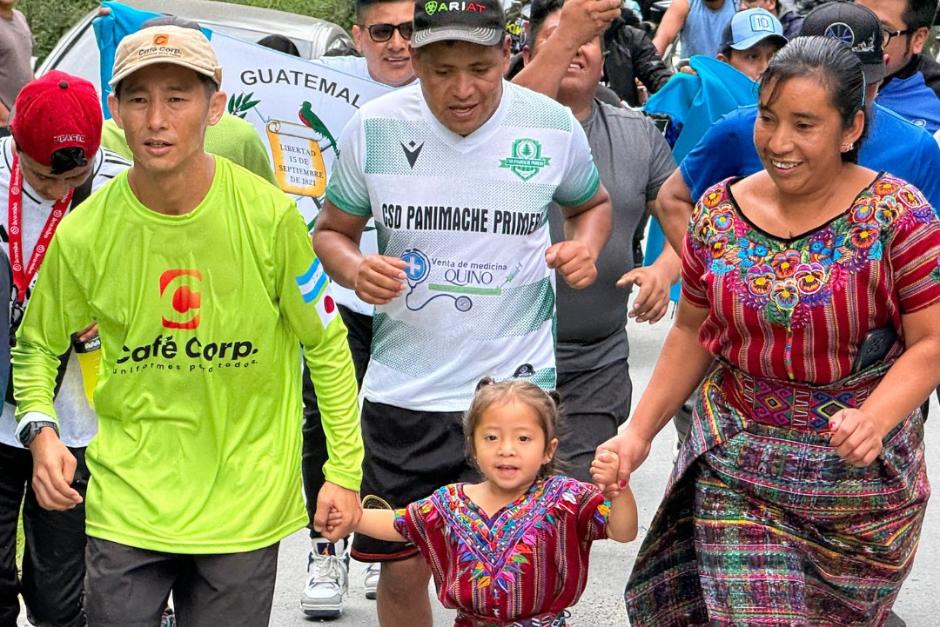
(848, 147)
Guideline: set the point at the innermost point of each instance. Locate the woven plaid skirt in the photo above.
(764, 524)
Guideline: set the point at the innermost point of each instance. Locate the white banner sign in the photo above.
(299, 108)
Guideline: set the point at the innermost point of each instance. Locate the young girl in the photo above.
(513, 549)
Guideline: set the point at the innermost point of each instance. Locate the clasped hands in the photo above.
(338, 512)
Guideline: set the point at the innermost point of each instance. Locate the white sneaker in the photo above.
(328, 570)
(168, 619)
(371, 581)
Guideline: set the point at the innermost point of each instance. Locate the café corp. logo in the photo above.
(180, 286)
(160, 39)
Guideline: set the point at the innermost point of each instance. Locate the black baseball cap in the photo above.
(855, 26)
(476, 21)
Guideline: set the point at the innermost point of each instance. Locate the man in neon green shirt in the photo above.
(204, 285)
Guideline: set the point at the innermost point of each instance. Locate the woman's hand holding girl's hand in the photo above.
(604, 471)
(632, 449)
(856, 436)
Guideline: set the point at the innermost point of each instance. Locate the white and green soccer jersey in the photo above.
(468, 215)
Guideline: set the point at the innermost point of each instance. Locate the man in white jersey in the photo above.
(381, 34)
(458, 173)
(52, 162)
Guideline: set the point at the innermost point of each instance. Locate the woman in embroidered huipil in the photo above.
(799, 495)
(512, 551)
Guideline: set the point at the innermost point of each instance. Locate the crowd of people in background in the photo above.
(771, 166)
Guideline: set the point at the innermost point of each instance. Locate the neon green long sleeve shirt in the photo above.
(201, 319)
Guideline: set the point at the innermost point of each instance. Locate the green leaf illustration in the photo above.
(241, 104)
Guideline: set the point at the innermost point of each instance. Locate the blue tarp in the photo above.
(109, 31)
(694, 102)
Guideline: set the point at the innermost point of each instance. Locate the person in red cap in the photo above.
(50, 164)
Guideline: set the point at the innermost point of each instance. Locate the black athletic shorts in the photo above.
(408, 455)
(128, 587)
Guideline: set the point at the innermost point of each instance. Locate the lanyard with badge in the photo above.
(23, 273)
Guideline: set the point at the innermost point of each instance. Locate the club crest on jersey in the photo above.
(526, 160)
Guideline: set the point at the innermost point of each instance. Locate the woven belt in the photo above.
(550, 619)
(790, 404)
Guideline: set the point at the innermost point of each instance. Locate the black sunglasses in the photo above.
(383, 32)
(887, 35)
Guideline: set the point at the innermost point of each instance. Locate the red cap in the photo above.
(57, 111)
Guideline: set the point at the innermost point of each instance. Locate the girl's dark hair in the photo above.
(836, 69)
(547, 406)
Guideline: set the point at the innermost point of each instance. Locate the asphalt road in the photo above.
(602, 602)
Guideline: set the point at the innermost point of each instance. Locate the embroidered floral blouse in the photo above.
(529, 558)
(798, 309)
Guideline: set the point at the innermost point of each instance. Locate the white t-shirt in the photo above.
(469, 217)
(78, 423)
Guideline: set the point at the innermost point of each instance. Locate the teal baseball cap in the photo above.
(750, 27)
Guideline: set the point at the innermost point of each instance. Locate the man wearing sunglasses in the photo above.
(381, 34)
(905, 28)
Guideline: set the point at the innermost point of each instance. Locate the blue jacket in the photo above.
(913, 100)
(892, 144)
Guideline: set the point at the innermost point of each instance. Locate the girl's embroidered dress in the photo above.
(762, 522)
(522, 566)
